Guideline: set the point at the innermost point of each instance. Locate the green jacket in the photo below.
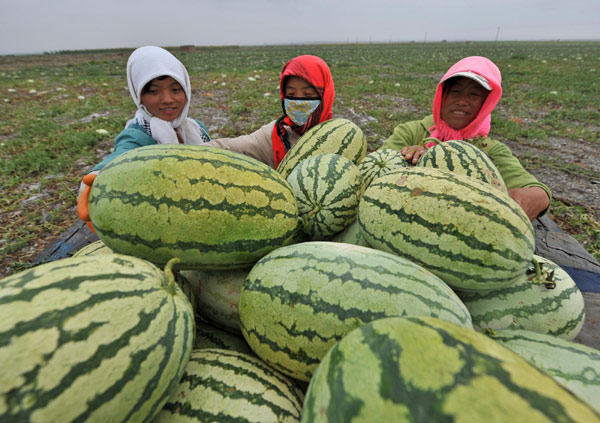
(134, 136)
(513, 173)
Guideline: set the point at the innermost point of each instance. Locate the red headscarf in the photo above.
(480, 126)
(315, 71)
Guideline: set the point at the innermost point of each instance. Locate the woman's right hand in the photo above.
(413, 153)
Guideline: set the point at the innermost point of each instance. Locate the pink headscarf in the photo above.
(480, 126)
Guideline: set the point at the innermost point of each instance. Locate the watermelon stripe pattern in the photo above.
(217, 295)
(212, 208)
(472, 237)
(208, 336)
(558, 310)
(335, 136)
(465, 158)
(221, 385)
(380, 162)
(298, 300)
(92, 338)
(408, 369)
(573, 365)
(327, 188)
(96, 247)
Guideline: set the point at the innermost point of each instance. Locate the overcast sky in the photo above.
(36, 26)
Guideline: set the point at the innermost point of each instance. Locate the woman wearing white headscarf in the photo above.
(160, 87)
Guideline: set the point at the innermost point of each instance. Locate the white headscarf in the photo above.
(145, 64)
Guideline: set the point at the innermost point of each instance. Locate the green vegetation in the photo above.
(61, 113)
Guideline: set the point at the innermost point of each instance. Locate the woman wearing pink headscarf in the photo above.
(462, 107)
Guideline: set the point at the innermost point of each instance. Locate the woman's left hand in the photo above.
(533, 200)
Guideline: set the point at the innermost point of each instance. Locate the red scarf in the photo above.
(315, 71)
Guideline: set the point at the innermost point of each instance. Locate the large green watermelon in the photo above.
(422, 369)
(210, 207)
(573, 365)
(336, 136)
(464, 158)
(471, 235)
(98, 338)
(327, 188)
(554, 306)
(227, 386)
(298, 300)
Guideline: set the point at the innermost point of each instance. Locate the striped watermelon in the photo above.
(573, 365)
(100, 338)
(327, 188)
(298, 300)
(337, 136)
(209, 336)
(422, 369)
(96, 247)
(227, 386)
(380, 162)
(210, 207)
(463, 158)
(351, 235)
(473, 237)
(217, 295)
(556, 308)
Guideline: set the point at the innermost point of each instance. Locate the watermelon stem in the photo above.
(542, 275)
(170, 276)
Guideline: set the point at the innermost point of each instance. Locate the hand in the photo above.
(84, 196)
(533, 200)
(413, 153)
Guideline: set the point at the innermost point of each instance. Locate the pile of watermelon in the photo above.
(341, 287)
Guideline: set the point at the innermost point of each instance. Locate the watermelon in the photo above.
(227, 386)
(217, 295)
(351, 235)
(380, 162)
(210, 207)
(99, 338)
(555, 307)
(209, 336)
(337, 136)
(298, 300)
(573, 365)
(463, 158)
(474, 237)
(96, 247)
(422, 369)
(327, 188)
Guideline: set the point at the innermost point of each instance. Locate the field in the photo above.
(60, 113)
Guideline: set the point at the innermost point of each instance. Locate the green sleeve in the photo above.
(409, 133)
(511, 169)
(128, 139)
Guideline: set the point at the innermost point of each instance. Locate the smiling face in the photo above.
(461, 101)
(164, 98)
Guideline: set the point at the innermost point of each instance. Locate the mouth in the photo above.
(459, 112)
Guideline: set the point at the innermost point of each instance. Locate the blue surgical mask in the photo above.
(300, 109)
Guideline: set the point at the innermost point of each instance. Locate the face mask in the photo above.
(300, 109)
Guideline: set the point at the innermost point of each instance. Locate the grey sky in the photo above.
(35, 26)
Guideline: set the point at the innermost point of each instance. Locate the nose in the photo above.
(166, 97)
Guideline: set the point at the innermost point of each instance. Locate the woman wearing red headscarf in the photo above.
(307, 92)
(462, 107)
